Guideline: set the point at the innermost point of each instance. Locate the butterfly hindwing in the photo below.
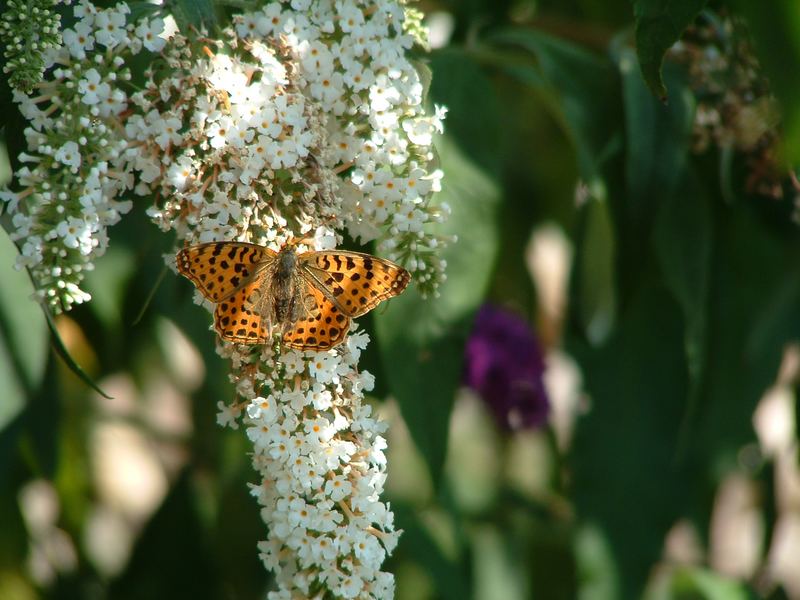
(320, 329)
(352, 281)
(309, 300)
(237, 320)
(218, 269)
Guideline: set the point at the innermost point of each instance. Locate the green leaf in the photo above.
(583, 95)
(450, 577)
(107, 284)
(460, 85)
(23, 336)
(626, 482)
(683, 241)
(662, 193)
(422, 340)
(657, 136)
(754, 296)
(659, 24)
(143, 9)
(61, 350)
(775, 27)
(593, 276)
(199, 14)
(695, 582)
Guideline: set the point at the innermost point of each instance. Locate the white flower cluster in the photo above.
(28, 29)
(305, 118)
(320, 454)
(72, 174)
(227, 142)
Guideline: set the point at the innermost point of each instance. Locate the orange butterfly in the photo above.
(311, 296)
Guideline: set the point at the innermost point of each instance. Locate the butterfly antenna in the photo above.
(150, 296)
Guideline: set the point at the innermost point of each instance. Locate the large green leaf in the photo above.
(23, 336)
(626, 481)
(657, 141)
(754, 300)
(200, 14)
(472, 118)
(582, 89)
(422, 340)
(683, 241)
(775, 27)
(659, 24)
(656, 162)
(664, 194)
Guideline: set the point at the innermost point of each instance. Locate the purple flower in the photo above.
(504, 364)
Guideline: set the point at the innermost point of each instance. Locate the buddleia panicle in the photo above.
(28, 29)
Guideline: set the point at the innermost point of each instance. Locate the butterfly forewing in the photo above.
(310, 304)
(352, 281)
(320, 329)
(236, 319)
(218, 269)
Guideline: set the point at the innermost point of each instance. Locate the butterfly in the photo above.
(308, 297)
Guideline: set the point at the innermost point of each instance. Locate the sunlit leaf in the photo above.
(775, 27)
(23, 335)
(699, 583)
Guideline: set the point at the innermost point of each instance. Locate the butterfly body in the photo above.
(286, 303)
(309, 298)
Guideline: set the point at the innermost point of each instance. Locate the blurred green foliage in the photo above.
(684, 293)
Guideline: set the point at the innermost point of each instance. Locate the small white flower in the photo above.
(300, 513)
(338, 487)
(93, 90)
(320, 430)
(320, 397)
(69, 155)
(76, 233)
(110, 26)
(293, 362)
(228, 415)
(167, 132)
(180, 172)
(150, 34)
(262, 409)
(322, 367)
(79, 39)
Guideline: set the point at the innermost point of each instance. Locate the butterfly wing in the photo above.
(238, 320)
(320, 329)
(218, 269)
(352, 281)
